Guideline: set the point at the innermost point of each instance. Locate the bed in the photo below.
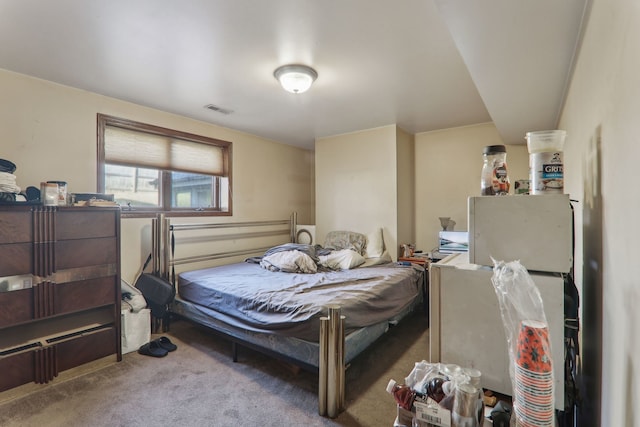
(276, 300)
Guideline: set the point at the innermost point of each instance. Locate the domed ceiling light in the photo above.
(295, 78)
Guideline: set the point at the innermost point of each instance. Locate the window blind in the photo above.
(142, 149)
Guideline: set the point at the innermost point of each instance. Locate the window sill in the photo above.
(126, 213)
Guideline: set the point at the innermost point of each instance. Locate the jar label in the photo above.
(547, 172)
(495, 179)
(432, 413)
(500, 181)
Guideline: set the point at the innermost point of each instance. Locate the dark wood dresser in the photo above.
(59, 290)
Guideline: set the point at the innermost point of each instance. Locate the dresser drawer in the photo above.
(82, 295)
(16, 307)
(51, 299)
(86, 224)
(17, 369)
(85, 252)
(16, 259)
(43, 364)
(86, 348)
(15, 227)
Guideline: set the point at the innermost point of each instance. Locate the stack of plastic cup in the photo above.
(533, 376)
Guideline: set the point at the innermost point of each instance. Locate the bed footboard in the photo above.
(331, 369)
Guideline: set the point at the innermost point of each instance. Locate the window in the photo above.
(150, 169)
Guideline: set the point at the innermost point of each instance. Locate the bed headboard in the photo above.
(218, 239)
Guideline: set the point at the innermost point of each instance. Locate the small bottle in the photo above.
(494, 179)
(465, 410)
(403, 394)
(474, 379)
(447, 401)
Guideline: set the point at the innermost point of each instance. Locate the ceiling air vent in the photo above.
(218, 109)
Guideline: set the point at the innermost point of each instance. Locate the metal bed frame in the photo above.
(331, 350)
(331, 366)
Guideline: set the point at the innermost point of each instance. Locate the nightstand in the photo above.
(424, 262)
(417, 260)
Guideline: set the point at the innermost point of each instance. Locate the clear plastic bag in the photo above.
(528, 343)
(442, 384)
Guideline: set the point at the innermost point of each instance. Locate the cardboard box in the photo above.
(404, 418)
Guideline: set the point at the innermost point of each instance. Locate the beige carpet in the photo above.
(199, 385)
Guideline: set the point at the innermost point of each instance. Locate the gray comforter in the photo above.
(291, 304)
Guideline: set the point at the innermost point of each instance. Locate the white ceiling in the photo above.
(422, 64)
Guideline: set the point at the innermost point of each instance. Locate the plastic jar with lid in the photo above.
(494, 179)
(546, 169)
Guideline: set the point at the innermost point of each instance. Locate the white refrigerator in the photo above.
(465, 323)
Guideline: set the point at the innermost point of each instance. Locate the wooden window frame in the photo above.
(104, 120)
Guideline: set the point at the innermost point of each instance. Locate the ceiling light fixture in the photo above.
(295, 78)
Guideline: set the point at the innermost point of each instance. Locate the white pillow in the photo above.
(289, 262)
(344, 259)
(375, 244)
(385, 258)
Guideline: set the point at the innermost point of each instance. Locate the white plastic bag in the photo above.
(136, 329)
(527, 332)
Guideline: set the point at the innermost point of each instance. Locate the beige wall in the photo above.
(405, 146)
(604, 99)
(356, 184)
(448, 164)
(49, 132)
(432, 175)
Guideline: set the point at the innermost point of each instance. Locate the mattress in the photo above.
(250, 298)
(301, 352)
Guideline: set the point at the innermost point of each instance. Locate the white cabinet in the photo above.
(533, 229)
(466, 326)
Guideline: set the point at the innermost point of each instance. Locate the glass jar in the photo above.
(62, 192)
(495, 179)
(49, 193)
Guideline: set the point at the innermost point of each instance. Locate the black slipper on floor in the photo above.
(165, 343)
(152, 349)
